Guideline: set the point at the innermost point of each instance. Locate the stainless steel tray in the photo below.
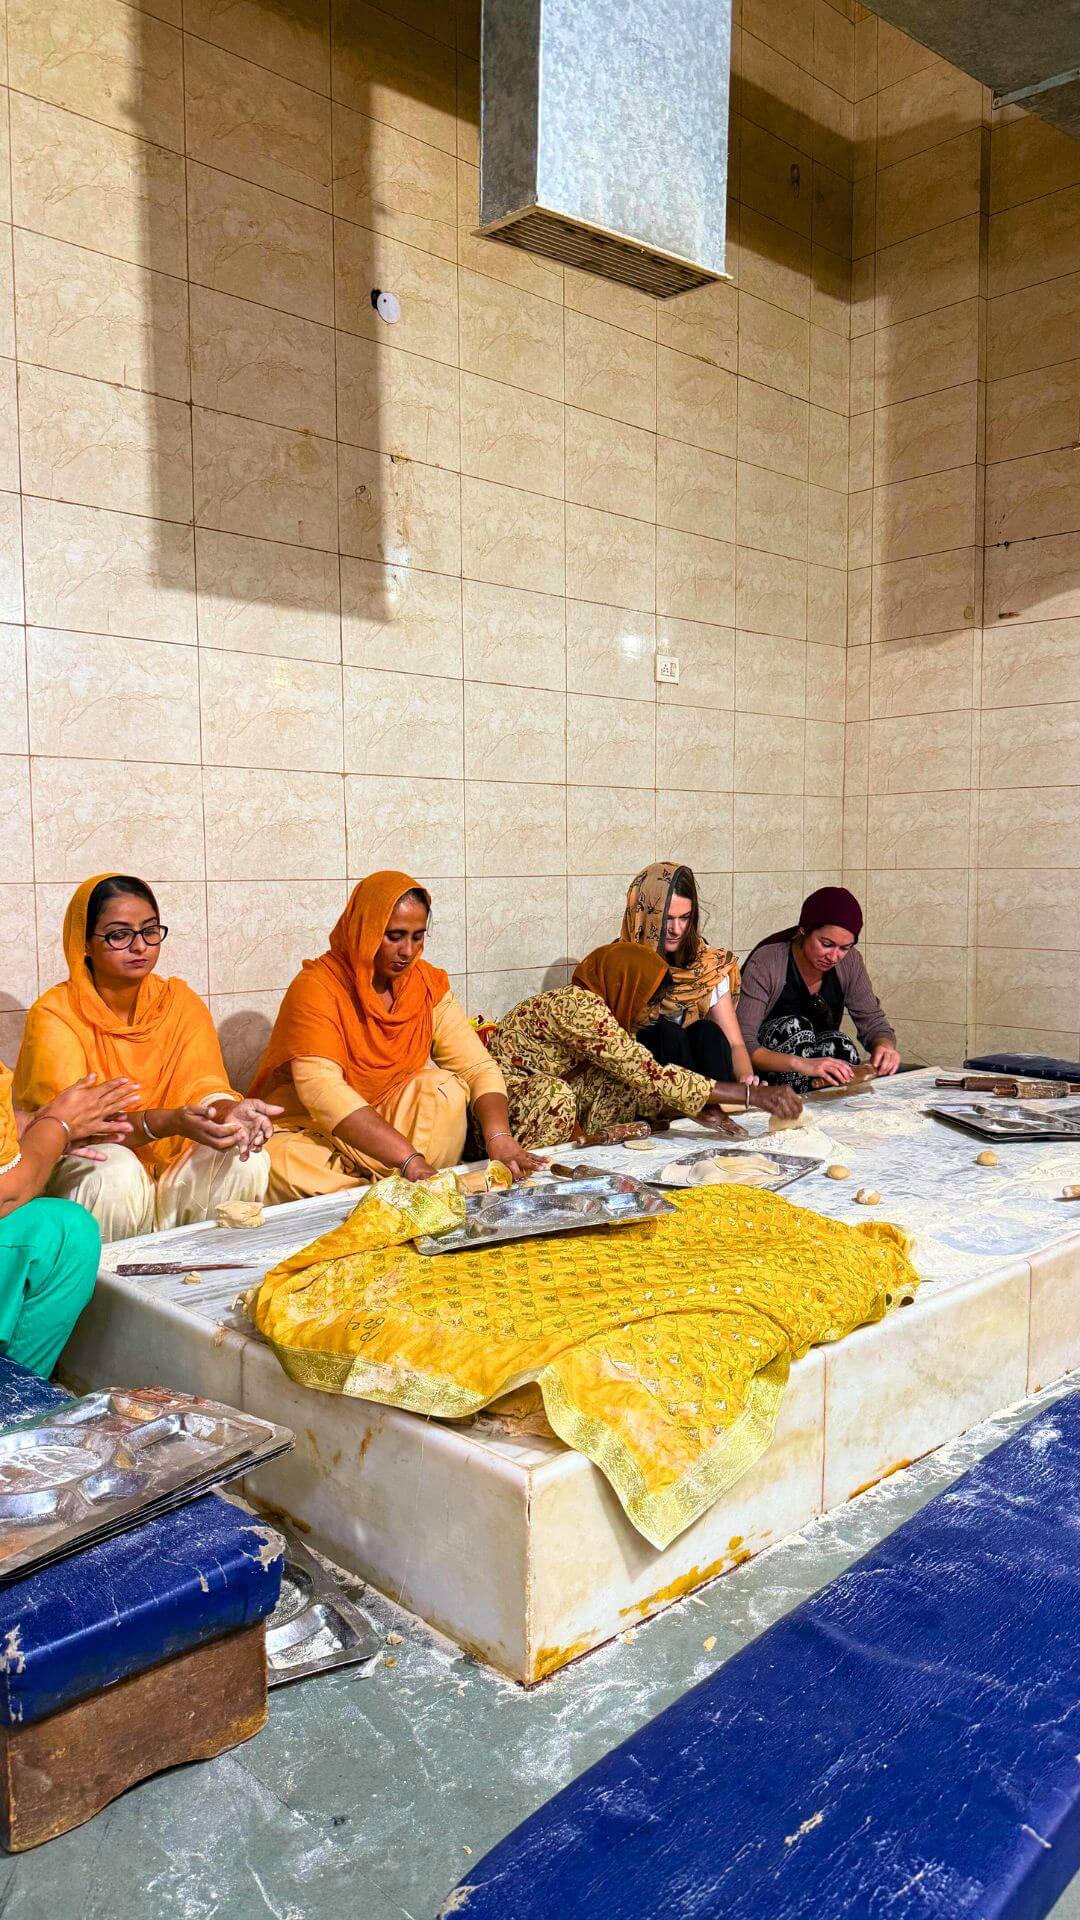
(1010, 1119)
(314, 1626)
(93, 1467)
(791, 1166)
(593, 1199)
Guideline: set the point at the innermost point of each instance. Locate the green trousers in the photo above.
(48, 1265)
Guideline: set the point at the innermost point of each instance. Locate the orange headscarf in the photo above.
(332, 1012)
(625, 976)
(170, 1049)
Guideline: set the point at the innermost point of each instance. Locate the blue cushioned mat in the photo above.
(906, 1744)
(121, 1606)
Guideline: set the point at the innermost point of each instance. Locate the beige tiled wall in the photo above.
(962, 801)
(289, 593)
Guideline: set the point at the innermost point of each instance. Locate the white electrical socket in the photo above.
(667, 668)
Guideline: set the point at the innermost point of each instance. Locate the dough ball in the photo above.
(638, 1146)
(240, 1213)
(1070, 1193)
(987, 1159)
(838, 1173)
(780, 1122)
(868, 1197)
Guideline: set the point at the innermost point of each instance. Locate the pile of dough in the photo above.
(240, 1213)
(809, 1143)
(726, 1169)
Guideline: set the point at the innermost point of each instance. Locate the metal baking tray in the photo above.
(591, 1199)
(89, 1468)
(1010, 1119)
(314, 1626)
(791, 1166)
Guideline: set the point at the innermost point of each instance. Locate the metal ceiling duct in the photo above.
(604, 130)
(1028, 51)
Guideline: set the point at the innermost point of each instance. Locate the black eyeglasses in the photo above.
(119, 937)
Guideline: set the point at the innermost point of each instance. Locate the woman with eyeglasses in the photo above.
(194, 1142)
(796, 988)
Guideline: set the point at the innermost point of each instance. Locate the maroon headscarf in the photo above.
(828, 907)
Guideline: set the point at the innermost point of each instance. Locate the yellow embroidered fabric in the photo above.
(661, 1349)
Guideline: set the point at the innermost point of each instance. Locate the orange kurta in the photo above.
(170, 1050)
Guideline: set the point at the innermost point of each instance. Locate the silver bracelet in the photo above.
(60, 1123)
(748, 1096)
(146, 1129)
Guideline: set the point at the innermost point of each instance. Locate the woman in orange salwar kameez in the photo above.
(373, 1059)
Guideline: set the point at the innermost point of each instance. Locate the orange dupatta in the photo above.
(625, 977)
(170, 1049)
(332, 1012)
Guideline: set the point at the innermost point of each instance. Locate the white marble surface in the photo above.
(516, 1547)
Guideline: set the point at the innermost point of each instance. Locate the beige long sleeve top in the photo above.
(322, 1095)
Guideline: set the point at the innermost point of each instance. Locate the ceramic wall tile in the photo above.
(768, 832)
(762, 902)
(393, 183)
(263, 364)
(594, 911)
(95, 572)
(935, 269)
(930, 675)
(932, 594)
(503, 931)
(425, 284)
(771, 512)
(696, 401)
(773, 429)
(101, 60)
(13, 716)
(401, 512)
(771, 594)
(514, 733)
(610, 558)
(260, 932)
(264, 480)
(696, 828)
(493, 994)
(609, 830)
(609, 464)
(71, 176)
(404, 405)
(609, 650)
(1031, 663)
(294, 41)
(1030, 746)
(515, 828)
(610, 742)
(397, 720)
(706, 656)
(1014, 345)
(512, 539)
(511, 336)
(922, 753)
(261, 827)
(696, 490)
(943, 182)
(693, 749)
(405, 78)
(610, 371)
(84, 313)
(1032, 412)
(143, 693)
(262, 712)
(15, 799)
(85, 821)
(262, 596)
(257, 244)
(611, 302)
(1051, 992)
(768, 754)
(774, 263)
(514, 636)
(702, 324)
(1034, 242)
(99, 445)
(695, 577)
(1028, 498)
(1035, 580)
(396, 820)
(1027, 827)
(770, 674)
(510, 436)
(400, 618)
(774, 347)
(261, 126)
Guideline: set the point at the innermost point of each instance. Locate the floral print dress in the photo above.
(570, 1067)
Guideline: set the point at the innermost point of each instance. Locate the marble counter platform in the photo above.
(516, 1547)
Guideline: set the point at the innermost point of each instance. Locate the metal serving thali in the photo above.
(790, 1166)
(92, 1467)
(315, 1626)
(1011, 1119)
(592, 1198)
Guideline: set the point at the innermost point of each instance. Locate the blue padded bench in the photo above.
(906, 1744)
(159, 1629)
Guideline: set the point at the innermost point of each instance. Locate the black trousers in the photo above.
(702, 1047)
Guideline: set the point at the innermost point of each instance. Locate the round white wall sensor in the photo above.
(386, 305)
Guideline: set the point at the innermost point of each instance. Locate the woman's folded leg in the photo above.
(48, 1265)
(117, 1190)
(193, 1187)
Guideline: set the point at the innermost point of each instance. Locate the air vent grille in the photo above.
(557, 238)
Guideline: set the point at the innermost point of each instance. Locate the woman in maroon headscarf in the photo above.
(796, 988)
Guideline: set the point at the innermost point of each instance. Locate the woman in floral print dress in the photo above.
(572, 1065)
